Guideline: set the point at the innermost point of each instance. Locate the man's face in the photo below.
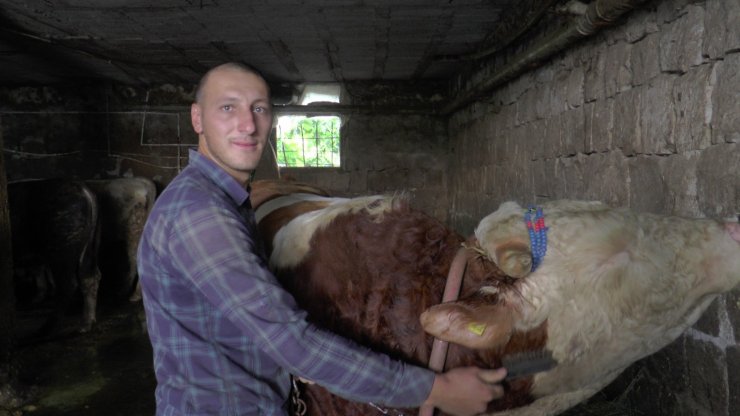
(233, 119)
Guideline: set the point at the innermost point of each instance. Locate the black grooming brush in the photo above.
(527, 363)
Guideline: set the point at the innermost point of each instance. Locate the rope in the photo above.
(299, 406)
(438, 355)
(537, 234)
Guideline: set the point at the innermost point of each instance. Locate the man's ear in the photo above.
(195, 118)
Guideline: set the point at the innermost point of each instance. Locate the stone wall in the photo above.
(644, 115)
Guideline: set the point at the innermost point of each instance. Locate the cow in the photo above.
(125, 204)
(55, 239)
(367, 268)
(612, 286)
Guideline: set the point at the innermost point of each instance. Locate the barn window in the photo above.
(310, 141)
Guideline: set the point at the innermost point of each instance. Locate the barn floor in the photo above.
(109, 372)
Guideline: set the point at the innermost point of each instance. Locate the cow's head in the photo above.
(613, 287)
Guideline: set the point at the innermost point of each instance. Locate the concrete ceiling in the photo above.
(174, 41)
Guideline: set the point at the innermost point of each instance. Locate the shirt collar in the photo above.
(219, 176)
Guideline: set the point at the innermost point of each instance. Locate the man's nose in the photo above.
(246, 122)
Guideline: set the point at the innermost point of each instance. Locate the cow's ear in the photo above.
(471, 324)
(514, 258)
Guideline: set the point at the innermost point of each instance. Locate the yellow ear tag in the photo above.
(477, 328)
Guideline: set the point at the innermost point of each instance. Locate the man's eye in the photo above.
(259, 109)
(227, 107)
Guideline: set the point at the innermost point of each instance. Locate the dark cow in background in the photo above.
(55, 239)
(72, 237)
(125, 204)
(613, 287)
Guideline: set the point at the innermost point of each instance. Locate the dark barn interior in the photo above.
(462, 104)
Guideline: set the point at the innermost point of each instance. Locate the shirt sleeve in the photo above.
(216, 251)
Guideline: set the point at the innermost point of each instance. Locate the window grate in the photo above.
(308, 142)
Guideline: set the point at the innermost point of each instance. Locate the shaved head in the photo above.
(229, 65)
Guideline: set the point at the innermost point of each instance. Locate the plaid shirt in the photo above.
(225, 334)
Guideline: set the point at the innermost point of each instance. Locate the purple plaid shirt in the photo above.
(225, 334)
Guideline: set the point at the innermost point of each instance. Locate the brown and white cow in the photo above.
(614, 286)
(66, 234)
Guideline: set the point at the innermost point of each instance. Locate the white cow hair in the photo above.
(604, 315)
(292, 243)
(274, 204)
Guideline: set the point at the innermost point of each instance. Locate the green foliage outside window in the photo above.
(308, 142)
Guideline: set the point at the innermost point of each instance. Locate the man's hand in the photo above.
(466, 391)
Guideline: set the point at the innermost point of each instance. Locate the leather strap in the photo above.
(438, 355)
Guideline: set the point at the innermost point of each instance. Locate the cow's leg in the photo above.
(44, 284)
(68, 279)
(64, 271)
(33, 283)
(131, 275)
(88, 272)
(136, 295)
(89, 283)
(80, 225)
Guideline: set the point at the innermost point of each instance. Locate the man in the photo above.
(226, 336)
